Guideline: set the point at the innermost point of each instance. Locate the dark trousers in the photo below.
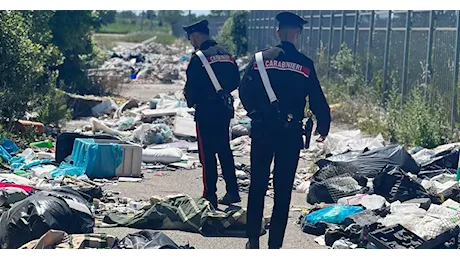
(285, 148)
(214, 138)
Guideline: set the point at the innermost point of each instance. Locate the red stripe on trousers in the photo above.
(203, 162)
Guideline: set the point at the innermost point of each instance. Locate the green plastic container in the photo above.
(458, 171)
(42, 144)
(20, 172)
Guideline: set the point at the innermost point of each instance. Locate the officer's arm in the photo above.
(246, 91)
(235, 77)
(319, 105)
(191, 84)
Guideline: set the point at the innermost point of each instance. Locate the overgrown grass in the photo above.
(126, 26)
(109, 41)
(414, 122)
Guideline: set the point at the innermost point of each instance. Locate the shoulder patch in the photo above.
(221, 58)
(285, 66)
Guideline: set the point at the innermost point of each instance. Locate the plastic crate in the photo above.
(398, 237)
(132, 158)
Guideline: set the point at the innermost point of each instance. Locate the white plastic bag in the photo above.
(373, 202)
(105, 107)
(165, 155)
(304, 187)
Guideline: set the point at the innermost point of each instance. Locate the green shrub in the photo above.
(414, 122)
(52, 108)
(233, 34)
(418, 123)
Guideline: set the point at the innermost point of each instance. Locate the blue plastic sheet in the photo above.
(334, 214)
(99, 160)
(18, 163)
(184, 58)
(67, 169)
(9, 146)
(5, 155)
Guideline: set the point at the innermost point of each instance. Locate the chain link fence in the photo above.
(406, 49)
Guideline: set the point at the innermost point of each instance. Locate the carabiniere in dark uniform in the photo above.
(277, 126)
(213, 109)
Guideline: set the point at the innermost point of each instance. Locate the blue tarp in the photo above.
(334, 214)
(99, 160)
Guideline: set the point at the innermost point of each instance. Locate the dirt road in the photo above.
(190, 182)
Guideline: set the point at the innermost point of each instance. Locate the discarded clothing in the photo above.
(55, 239)
(67, 169)
(181, 212)
(148, 239)
(12, 185)
(32, 217)
(394, 184)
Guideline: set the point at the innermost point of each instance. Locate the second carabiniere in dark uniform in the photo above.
(277, 123)
(211, 76)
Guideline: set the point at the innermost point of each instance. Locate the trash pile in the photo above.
(150, 62)
(383, 196)
(145, 239)
(153, 63)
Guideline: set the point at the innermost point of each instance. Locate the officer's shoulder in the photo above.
(217, 48)
(305, 59)
(272, 52)
(193, 58)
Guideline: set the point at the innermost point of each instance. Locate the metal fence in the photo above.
(405, 49)
(215, 24)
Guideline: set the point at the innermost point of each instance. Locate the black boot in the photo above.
(230, 199)
(253, 243)
(213, 201)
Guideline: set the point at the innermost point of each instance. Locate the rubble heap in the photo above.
(151, 63)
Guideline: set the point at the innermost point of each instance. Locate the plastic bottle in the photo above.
(457, 178)
(42, 144)
(29, 155)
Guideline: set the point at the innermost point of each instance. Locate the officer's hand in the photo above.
(321, 139)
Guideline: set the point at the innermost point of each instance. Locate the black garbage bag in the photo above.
(428, 174)
(370, 163)
(394, 184)
(444, 160)
(335, 181)
(32, 217)
(345, 157)
(148, 239)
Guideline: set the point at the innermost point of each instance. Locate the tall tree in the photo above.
(108, 17)
(173, 18)
(151, 16)
(220, 12)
